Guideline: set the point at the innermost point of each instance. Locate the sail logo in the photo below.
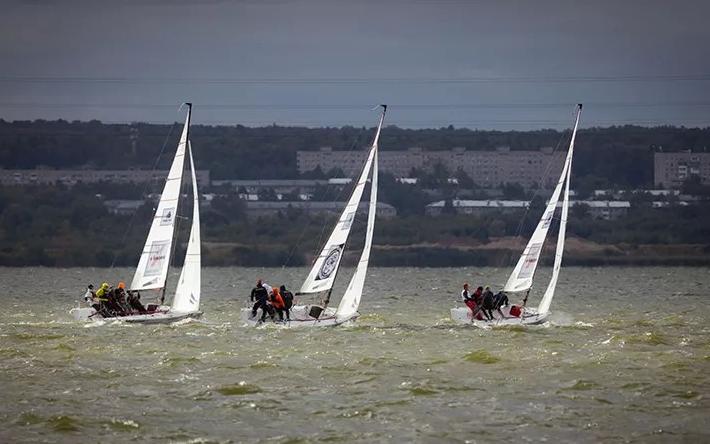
(167, 217)
(348, 222)
(157, 257)
(330, 264)
(530, 263)
(547, 219)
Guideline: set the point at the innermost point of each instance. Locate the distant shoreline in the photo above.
(578, 252)
(499, 253)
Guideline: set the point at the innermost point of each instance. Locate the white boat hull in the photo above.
(161, 316)
(299, 318)
(463, 315)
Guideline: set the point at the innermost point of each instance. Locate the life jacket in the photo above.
(260, 294)
(477, 297)
(500, 299)
(515, 311)
(276, 300)
(288, 298)
(101, 293)
(488, 300)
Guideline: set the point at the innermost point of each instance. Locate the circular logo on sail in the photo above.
(329, 264)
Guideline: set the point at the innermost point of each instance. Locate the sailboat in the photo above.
(152, 270)
(521, 279)
(321, 278)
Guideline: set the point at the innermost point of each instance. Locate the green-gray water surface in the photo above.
(626, 358)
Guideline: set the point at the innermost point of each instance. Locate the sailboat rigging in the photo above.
(521, 279)
(154, 262)
(326, 267)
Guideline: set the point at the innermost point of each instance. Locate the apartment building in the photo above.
(670, 170)
(487, 168)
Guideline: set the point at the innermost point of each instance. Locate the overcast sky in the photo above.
(481, 64)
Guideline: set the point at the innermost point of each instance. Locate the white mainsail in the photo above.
(325, 268)
(521, 279)
(351, 299)
(187, 294)
(544, 306)
(153, 265)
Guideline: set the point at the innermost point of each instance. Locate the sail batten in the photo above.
(152, 270)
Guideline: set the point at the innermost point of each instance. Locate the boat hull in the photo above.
(462, 315)
(299, 318)
(162, 316)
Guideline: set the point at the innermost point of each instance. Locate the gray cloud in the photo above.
(367, 41)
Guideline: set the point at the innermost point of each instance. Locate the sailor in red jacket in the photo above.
(472, 300)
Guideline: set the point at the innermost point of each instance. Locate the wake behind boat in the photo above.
(486, 309)
(153, 265)
(320, 280)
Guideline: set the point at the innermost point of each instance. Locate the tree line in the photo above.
(58, 226)
(619, 156)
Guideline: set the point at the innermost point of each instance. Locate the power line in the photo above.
(357, 80)
(429, 124)
(348, 107)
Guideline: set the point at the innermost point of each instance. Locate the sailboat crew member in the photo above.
(89, 295)
(478, 297)
(467, 297)
(101, 292)
(488, 305)
(134, 301)
(260, 295)
(91, 298)
(288, 301)
(500, 300)
(277, 303)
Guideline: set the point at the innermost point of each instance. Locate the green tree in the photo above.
(336, 172)
(407, 199)
(496, 228)
(513, 191)
(580, 210)
(448, 207)
(693, 186)
(267, 195)
(465, 181)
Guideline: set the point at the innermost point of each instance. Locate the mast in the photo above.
(373, 189)
(544, 306)
(152, 270)
(351, 299)
(175, 232)
(321, 276)
(521, 279)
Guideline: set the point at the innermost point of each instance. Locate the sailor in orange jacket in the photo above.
(278, 303)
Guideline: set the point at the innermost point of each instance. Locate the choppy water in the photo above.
(626, 359)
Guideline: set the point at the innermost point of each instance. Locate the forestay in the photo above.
(325, 268)
(544, 306)
(351, 299)
(187, 294)
(153, 265)
(521, 278)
